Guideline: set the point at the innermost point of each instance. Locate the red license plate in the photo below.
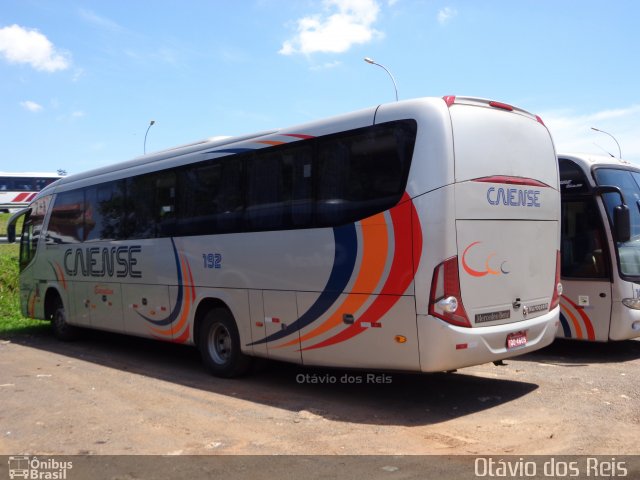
(516, 339)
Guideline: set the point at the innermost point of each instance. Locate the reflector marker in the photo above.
(371, 324)
(271, 320)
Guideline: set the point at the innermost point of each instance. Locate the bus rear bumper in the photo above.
(447, 347)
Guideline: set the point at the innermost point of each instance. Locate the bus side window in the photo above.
(165, 203)
(265, 192)
(104, 211)
(140, 206)
(583, 246)
(67, 218)
(210, 197)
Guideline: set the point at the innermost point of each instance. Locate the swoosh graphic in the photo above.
(346, 251)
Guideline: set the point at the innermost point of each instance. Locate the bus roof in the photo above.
(316, 128)
(588, 160)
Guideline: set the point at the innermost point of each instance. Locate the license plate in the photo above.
(516, 339)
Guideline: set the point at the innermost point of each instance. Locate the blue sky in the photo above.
(81, 80)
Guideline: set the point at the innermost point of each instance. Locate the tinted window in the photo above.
(31, 230)
(326, 181)
(211, 197)
(141, 218)
(363, 172)
(583, 246)
(105, 212)
(279, 189)
(572, 178)
(629, 183)
(66, 223)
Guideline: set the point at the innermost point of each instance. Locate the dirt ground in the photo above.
(111, 394)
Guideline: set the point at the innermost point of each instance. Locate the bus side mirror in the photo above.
(11, 233)
(621, 214)
(622, 223)
(11, 224)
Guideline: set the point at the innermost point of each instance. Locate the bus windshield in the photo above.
(629, 183)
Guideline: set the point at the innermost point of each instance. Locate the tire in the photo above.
(219, 345)
(61, 329)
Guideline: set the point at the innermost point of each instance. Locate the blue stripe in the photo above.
(176, 310)
(565, 326)
(230, 150)
(344, 261)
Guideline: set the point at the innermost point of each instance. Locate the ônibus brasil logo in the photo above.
(27, 467)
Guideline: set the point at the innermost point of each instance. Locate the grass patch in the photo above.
(11, 320)
(4, 219)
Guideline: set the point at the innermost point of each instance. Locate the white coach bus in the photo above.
(600, 247)
(421, 235)
(18, 189)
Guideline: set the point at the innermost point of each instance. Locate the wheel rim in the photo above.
(59, 319)
(219, 344)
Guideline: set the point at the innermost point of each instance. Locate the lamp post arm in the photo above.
(614, 139)
(395, 87)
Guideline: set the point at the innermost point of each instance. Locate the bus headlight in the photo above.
(631, 303)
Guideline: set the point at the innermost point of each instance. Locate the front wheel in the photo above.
(61, 329)
(219, 345)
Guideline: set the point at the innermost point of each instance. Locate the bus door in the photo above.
(587, 289)
(586, 301)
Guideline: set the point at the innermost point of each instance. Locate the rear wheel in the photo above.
(219, 344)
(61, 329)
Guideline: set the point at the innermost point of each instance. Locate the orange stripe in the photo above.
(374, 257)
(184, 337)
(587, 321)
(187, 302)
(576, 324)
(31, 304)
(189, 296)
(61, 275)
(271, 142)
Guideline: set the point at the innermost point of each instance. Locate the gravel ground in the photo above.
(111, 394)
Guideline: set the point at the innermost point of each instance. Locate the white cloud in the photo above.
(31, 106)
(342, 24)
(446, 14)
(99, 21)
(23, 45)
(572, 132)
(327, 65)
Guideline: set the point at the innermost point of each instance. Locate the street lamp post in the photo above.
(369, 60)
(151, 123)
(614, 139)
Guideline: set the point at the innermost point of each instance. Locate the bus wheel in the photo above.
(61, 329)
(219, 344)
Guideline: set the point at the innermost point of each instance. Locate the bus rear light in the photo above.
(557, 286)
(540, 120)
(445, 300)
(507, 180)
(501, 105)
